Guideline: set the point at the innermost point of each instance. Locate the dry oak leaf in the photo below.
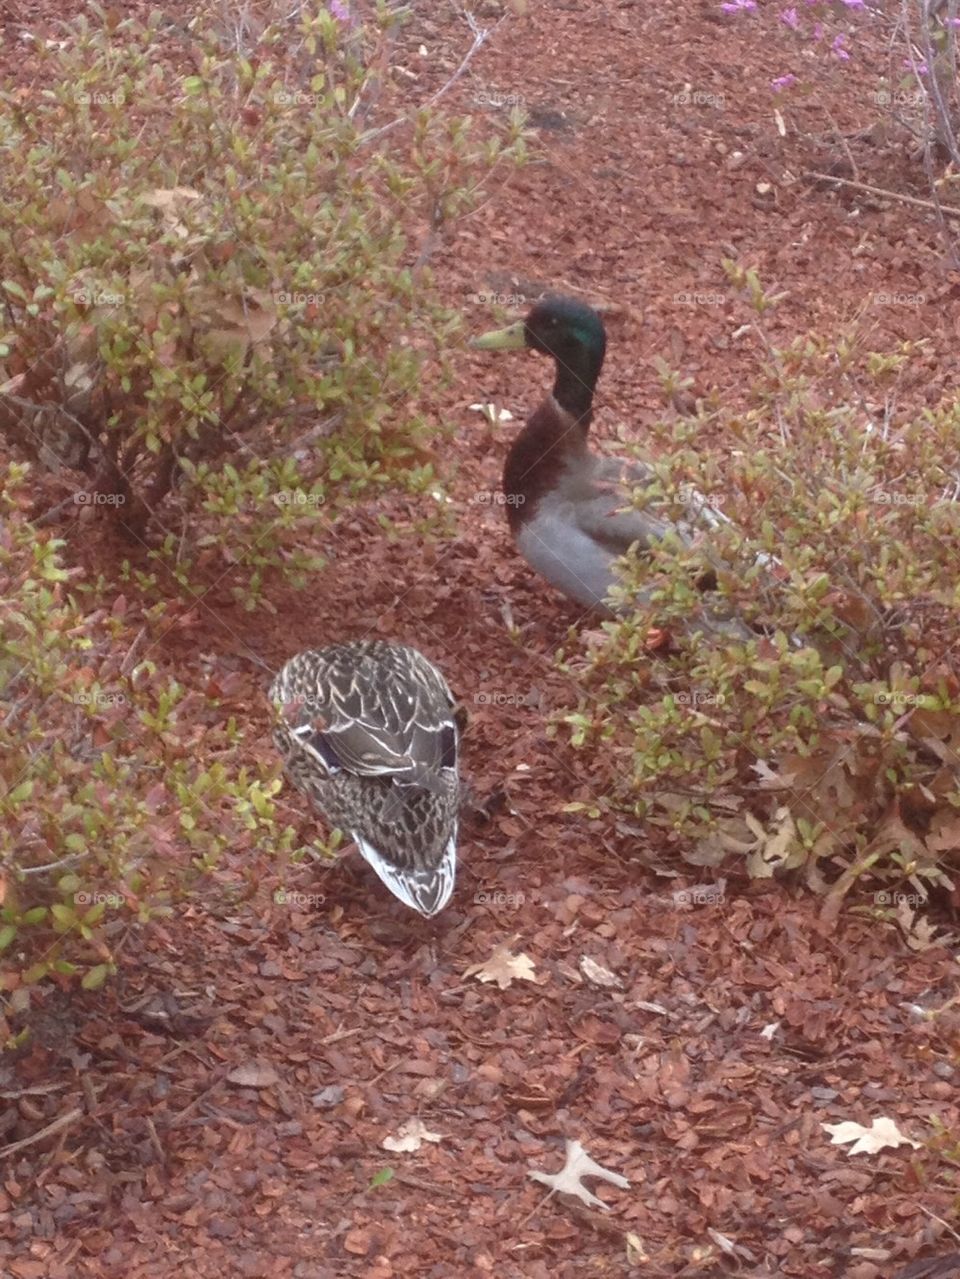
(254, 1074)
(569, 1179)
(504, 968)
(410, 1136)
(868, 1141)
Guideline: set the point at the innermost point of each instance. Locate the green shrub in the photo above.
(829, 744)
(212, 291)
(117, 790)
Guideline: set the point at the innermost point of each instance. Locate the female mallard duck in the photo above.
(368, 731)
(570, 511)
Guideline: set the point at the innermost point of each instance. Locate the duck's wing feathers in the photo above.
(601, 504)
(389, 716)
(605, 513)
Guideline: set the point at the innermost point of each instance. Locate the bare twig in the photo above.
(155, 1140)
(65, 863)
(35, 1090)
(340, 1034)
(949, 209)
(180, 1116)
(933, 1216)
(127, 664)
(418, 1184)
(480, 38)
(58, 1125)
(843, 142)
(53, 513)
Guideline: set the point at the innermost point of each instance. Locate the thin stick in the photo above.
(480, 38)
(155, 1140)
(65, 862)
(64, 1121)
(51, 515)
(178, 1118)
(843, 142)
(940, 1220)
(376, 1079)
(948, 209)
(417, 1184)
(37, 1090)
(127, 663)
(536, 1208)
(340, 1034)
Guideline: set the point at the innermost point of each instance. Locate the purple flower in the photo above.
(738, 6)
(818, 31)
(854, 4)
(783, 82)
(838, 49)
(339, 10)
(920, 66)
(789, 16)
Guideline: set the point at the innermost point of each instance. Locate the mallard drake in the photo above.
(367, 730)
(570, 511)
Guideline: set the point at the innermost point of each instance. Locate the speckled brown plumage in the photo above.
(367, 731)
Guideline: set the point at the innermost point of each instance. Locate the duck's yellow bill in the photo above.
(512, 338)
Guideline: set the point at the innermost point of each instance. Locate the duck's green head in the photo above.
(557, 326)
(569, 331)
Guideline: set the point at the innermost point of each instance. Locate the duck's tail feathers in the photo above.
(426, 890)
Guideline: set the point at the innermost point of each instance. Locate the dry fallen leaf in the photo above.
(358, 1241)
(504, 968)
(169, 198)
(723, 1243)
(867, 1141)
(579, 1165)
(599, 976)
(637, 1254)
(169, 203)
(918, 932)
(410, 1136)
(254, 1074)
(776, 848)
(492, 413)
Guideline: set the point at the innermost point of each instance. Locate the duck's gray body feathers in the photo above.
(573, 534)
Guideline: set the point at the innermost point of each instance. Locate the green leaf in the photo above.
(95, 978)
(65, 916)
(7, 934)
(381, 1178)
(94, 914)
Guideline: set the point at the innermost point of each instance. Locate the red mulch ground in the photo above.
(737, 1028)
